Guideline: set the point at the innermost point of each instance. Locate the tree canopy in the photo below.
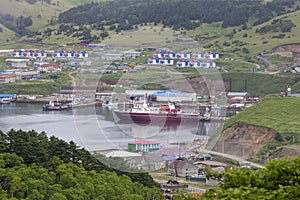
(65, 181)
(174, 13)
(34, 166)
(279, 180)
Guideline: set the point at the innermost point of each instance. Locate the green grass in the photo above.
(254, 42)
(151, 36)
(31, 87)
(278, 59)
(235, 65)
(259, 84)
(274, 111)
(50, 83)
(277, 112)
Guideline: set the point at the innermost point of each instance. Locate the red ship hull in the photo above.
(161, 117)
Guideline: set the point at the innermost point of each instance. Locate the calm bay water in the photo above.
(97, 128)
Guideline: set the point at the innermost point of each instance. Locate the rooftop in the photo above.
(143, 142)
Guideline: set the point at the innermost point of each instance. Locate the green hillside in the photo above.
(259, 84)
(247, 42)
(274, 111)
(40, 13)
(229, 31)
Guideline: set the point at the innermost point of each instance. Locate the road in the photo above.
(206, 151)
(73, 80)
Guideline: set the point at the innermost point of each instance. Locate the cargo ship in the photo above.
(163, 113)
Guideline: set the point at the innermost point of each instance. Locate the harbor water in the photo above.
(96, 128)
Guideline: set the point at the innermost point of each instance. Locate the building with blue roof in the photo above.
(9, 97)
(174, 96)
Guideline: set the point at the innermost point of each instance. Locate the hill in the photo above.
(96, 20)
(251, 41)
(262, 130)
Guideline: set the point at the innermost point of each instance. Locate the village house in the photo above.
(183, 63)
(132, 54)
(205, 55)
(160, 61)
(172, 187)
(18, 63)
(143, 146)
(147, 162)
(30, 75)
(160, 53)
(49, 68)
(113, 56)
(13, 75)
(121, 154)
(237, 97)
(29, 53)
(70, 54)
(174, 152)
(203, 63)
(39, 63)
(182, 168)
(7, 78)
(183, 55)
(39, 54)
(196, 63)
(5, 51)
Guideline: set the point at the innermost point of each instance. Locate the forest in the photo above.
(279, 180)
(176, 13)
(33, 166)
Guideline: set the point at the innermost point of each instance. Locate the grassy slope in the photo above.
(261, 84)
(153, 36)
(274, 111)
(45, 11)
(6, 35)
(255, 42)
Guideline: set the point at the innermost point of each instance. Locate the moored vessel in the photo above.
(56, 106)
(163, 113)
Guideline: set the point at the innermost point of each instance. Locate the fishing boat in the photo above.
(7, 98)
(56, 106)
(163, 113)
(5, 101)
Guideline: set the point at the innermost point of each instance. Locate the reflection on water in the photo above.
(97, 128)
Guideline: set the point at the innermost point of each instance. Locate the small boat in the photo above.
(56, 106)
(163, 113)
(5, 101)
(7, 98)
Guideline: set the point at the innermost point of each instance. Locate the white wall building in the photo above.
(205, 55)
(183, 55)
(160, 61)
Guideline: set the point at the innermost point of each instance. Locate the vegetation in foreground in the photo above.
(33, 166)
(279, 180)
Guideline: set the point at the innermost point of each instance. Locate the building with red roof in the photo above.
(143, 146)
